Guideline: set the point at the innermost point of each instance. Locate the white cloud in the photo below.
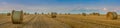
(43, 8)
(105, 9)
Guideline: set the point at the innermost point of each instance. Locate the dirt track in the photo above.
(62, 21)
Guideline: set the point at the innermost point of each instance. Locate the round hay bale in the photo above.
(25, 13)
(8, 14)
(17, 17)
(68, 13)
(28, 13)
(65, 13)
(60, 13)
(42, 13)
(49, 13)
(96, 14)
(112, 15)
(53, 14)
(35, 13)
(84, 14)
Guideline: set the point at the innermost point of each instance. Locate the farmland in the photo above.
(61, 21)
(59, 13)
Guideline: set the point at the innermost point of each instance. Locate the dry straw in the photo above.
(112, 15)
(17, 17)
(53, 14)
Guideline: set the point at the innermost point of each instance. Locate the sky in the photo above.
(60, 6)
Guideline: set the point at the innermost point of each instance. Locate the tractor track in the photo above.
(10, 25)
(93, 24)
(45, 21)
(26, 23)
(68, 26)
(71, 22)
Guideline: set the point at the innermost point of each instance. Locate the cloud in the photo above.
(77, 8)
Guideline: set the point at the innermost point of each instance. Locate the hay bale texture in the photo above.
(95, 14)
(36, 13)
(42, 13)
(112, 15)
(68, 13)
(84, 14)
(8, 14)
(17, 17)
(53, 14)
(26, 13)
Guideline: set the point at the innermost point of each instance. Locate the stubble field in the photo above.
(61, 21)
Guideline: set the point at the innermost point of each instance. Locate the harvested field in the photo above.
(59, 13)
(61, 21)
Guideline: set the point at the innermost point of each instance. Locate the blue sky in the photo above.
(60, 6)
